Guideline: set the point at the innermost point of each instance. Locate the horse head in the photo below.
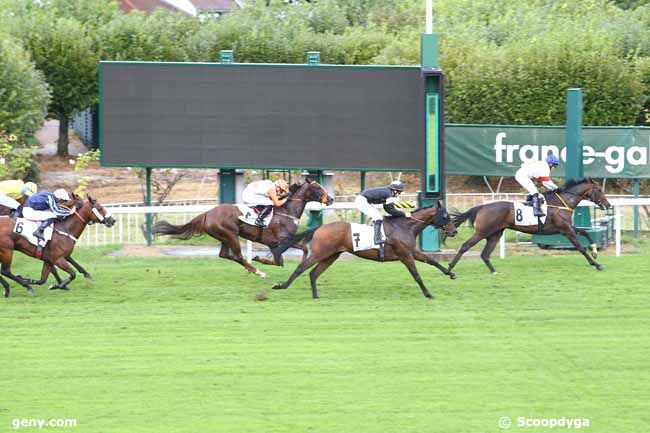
(438, 216)
(588, 189)
(310, 190)
(91, 211)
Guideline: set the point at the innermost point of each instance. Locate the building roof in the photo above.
(150, 5)
(216, 5)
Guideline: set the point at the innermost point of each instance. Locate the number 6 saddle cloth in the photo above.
(524, 214)
(363, 236)
(26, 229)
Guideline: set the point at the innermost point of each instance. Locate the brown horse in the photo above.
(490, 220)
(7, 211)
(223, 224)
(330, 240)
(63, 240)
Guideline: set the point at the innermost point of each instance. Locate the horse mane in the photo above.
(573, 182)
(294, 187)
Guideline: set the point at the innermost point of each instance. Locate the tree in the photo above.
(23, 93)
(68, 58)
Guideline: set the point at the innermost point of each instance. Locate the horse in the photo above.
(330, 240)
(223, 223)
(64, 236)
(4, 211)
(490, 220)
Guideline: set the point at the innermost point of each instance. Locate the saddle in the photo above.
(26, 229)
(249, 214)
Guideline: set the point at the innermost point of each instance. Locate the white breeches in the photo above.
(37, 215)
(252, 198)
(526, 182)
(368, 209)
(9, 202)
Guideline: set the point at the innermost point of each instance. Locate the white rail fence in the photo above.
(131, 217)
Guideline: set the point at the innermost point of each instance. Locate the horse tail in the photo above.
(195, 227)
(458, 218)
(305, 236)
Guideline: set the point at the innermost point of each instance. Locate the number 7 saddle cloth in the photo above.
(363, 236)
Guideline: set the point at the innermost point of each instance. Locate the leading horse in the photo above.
(490, 220)
(331, 240)
(223, 224)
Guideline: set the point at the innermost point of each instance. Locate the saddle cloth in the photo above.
(249, 215)
(26, 229)
(363, 236)
(524, 215)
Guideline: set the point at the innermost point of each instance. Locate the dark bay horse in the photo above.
(223, 224)
(6, 211)
(65, 235)
(490, 220)
(330, 240)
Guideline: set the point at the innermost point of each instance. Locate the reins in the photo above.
(566, 206)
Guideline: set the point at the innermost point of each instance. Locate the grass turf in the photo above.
(180, 345)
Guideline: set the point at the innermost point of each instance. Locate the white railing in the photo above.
(131, 217)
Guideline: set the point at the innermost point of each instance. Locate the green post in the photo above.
(313, 57)
(573, 166)
(227, 186)
(147, 202)
(429, 239)
(636, 192)
(226, 56)
(315, 216)
(362, 182)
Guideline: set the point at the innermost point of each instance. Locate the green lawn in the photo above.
(180, 345)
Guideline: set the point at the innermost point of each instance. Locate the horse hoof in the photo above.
(30, 291)
(53, 287)
(278, 287)
(5, 293)
(88, 276)
(260, 274)
(600, 267)
(493, 273)
(453, 276)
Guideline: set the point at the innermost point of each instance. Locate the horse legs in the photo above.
(55, 273)
(592, 244)
(79, 268)
(422, 257)
(277, 259)
(469, 243)
(5, 287)
(489, 247)
(409, 262)
(302, 267)
(318, 270)
(231, 250)
(570, 233)
(61, 263)
(45, 272)
(5, 270)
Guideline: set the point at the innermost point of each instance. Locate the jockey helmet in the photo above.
(62, 194)
(552, 160)
(396, 185)
(28, 189)
(282, 185)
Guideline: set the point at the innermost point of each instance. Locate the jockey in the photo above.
(267, 194)
(13, 193)
(386, 195)
(539, 171)
(45, 206)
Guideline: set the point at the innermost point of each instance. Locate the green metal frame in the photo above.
(436, 139)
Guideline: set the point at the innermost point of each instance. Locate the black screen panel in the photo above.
(261, 116)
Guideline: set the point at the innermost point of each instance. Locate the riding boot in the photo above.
(537, 207)
(16, 213)
(40, 232)
(263, 214)
(529, 198)
(378, 238)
